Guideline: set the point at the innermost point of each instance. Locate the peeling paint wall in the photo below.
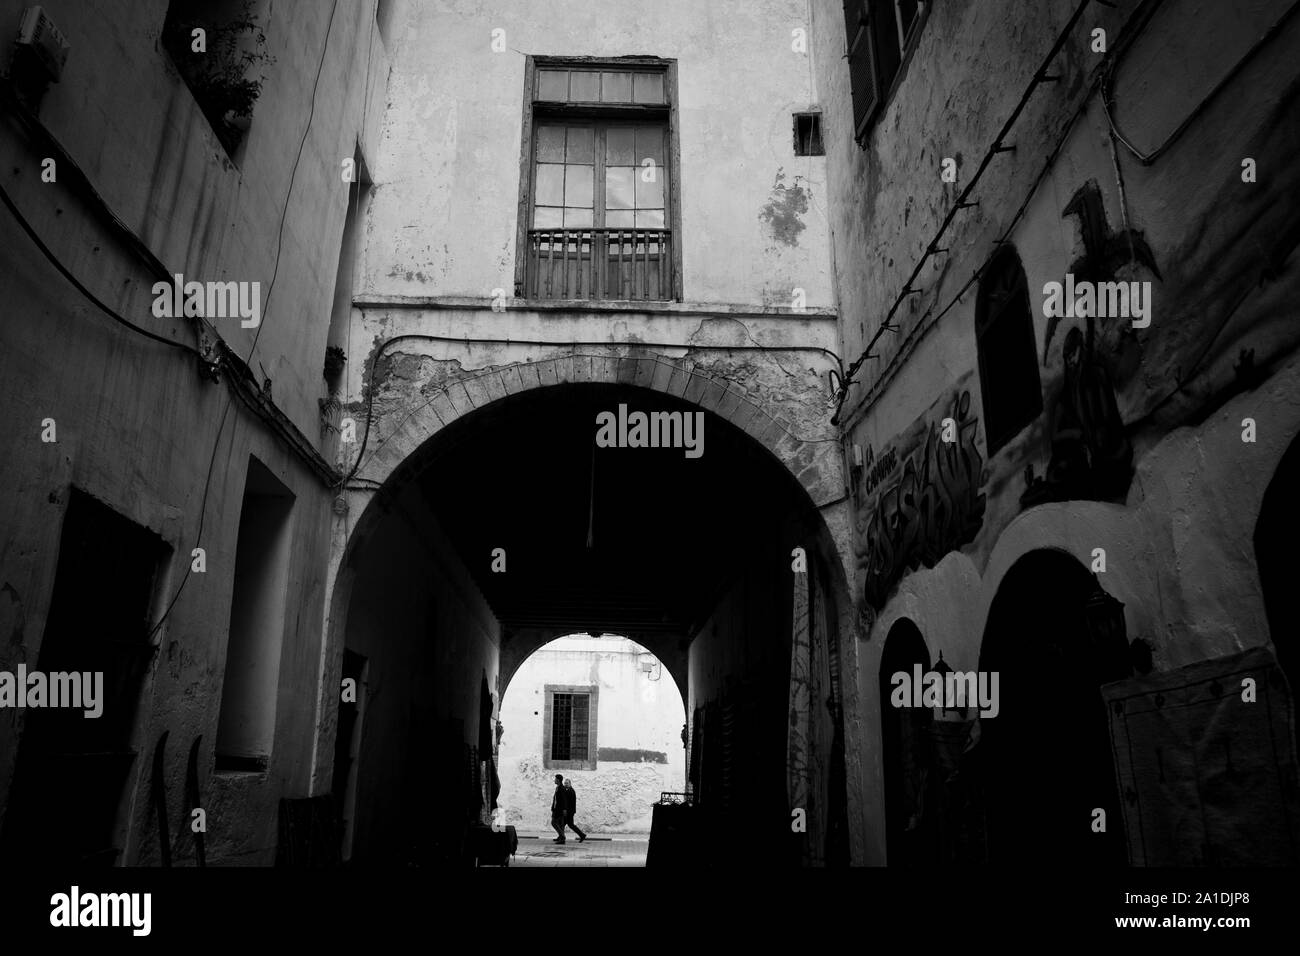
(441, 226)
(136, 424)
(444, 214)
(1179, 551)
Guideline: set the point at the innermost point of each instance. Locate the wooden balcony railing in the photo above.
(599, 264)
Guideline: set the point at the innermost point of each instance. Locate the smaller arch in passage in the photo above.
(603, 712)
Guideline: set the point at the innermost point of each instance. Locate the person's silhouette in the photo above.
(570, 808)
(559, 803)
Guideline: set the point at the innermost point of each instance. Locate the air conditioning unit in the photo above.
(38, 35)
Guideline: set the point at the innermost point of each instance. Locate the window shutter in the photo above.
(863, 78)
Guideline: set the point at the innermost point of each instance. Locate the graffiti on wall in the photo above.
(921, 498)
(1105, 251)
(1091, 455)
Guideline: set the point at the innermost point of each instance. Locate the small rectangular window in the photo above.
(808, 134)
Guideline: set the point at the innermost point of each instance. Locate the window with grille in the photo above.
(1008, 356)
(598, 216)
(880, 35)
(569, 733)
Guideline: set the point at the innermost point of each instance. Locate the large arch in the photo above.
(814, 464)
(1045, 758)
(462, 444)
(633, 734)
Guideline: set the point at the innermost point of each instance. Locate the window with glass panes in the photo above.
(599, 211)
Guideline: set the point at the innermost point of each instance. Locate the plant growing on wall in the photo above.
(218, 66)
(334, 361)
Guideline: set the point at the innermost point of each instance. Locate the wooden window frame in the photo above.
(667, 112)
(907, 46)
(592, 692)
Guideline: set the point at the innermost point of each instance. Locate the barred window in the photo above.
(569, 731)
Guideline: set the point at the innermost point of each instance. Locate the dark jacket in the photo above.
(570, 801)
(559, 804)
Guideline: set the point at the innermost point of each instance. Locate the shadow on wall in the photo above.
(615, 797)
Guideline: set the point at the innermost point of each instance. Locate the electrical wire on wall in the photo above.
(963, 202)
(370, 395)
(1146, 12)
(293, 175)
(121, 320)
(212, 365)
(1134, 26)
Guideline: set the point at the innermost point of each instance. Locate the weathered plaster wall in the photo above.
(421, 385)
(441, 225)
(429, 639)
(1179, 550)
(635, 713)
(136, 425)
(444, 214)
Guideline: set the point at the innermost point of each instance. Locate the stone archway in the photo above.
(813, 461)
(393, 485)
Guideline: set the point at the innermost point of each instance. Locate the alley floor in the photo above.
(599, 849)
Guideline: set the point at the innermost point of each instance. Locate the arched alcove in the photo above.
(907, 754)
(1045, 758)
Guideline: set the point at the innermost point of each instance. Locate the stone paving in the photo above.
(599, 849)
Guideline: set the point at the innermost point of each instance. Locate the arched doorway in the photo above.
(511, 527)
(911, 825)
(1045, 758)
(1276, 533)
(602, 711)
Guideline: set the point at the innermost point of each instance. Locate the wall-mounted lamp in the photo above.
(1104, 616)
(943, 670)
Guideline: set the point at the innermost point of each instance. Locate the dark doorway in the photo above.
(906, 751)
(346, 745)
(72, 769)
(1276, 534)
(1046, 757)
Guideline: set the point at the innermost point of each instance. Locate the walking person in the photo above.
(559, 804)
(570, 808)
